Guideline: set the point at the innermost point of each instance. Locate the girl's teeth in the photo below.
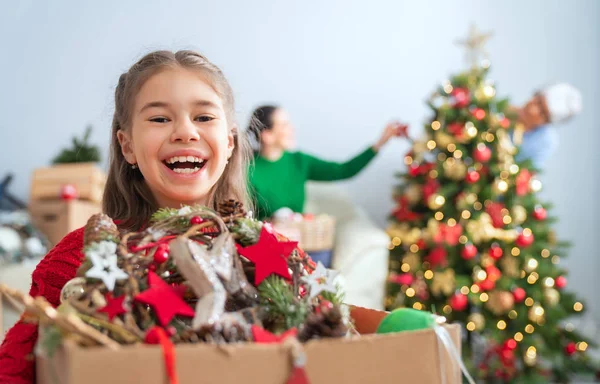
(186, 170)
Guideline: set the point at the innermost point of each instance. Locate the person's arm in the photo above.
(17, 363)
(321, 170)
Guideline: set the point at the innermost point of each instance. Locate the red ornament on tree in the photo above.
(519, 294)
(510, 345)
(478, 113)
(462, 98)
(496, 251)
(472, 177)
(437, 257)
(269, 256)
(469, 252)
(495, 211)
(522, 182)
(429, 188)
(482, 153)
(505, 123)
(414, 170)
(570, 349)
(539, 213)
(114, 307)
(493, 273)
(560, 282)
(68, 192)
(161, 254)
(459, 302)
(163, 299)
(456, 129)
(525, 239)
(402, 279)
(196, 220)
(487, 285)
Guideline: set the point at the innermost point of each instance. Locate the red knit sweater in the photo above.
(17, 364)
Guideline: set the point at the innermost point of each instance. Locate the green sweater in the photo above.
(280, 183)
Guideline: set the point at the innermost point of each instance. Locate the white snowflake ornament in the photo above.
(321, 280)
(105, 269)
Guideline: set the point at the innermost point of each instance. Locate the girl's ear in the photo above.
(231, 141)
(126, 146)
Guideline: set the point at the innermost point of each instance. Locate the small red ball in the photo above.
(505, 123)
(524, 240)
(403, 279)
(461, 97)
(326, 304)
(493, 273)
(570, 349)
(469, 252)
(482, 153)
(68, 192)
(472, 177)
(459, 302)
(196, 220)
(519, 294)
(496, 252)
(161, 255)
(152, 267)
(560, 282)
(414, 170)
(510, 344)
(487, 285)
(540, 213)
(456, 129)
(479, 113)
(152, 336)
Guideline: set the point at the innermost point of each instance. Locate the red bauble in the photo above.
(496, 252)
(560, 282)
(510, 345)
(162, 254)
(540, 213)
(437, 257)
(421, 243)
(403, 279)
(570, 349)
(325, 305)
(487, 285)
(519, 294)
(469, 252)
(494, 209)
(196, 220)
(505, 123)
(493, 273)
(459, 302)
(482, 153)
(461, 97)
(414, 170)
(456, 129)
(68, 192)
(524, 240)
(478, 113)
(153, 335)
(472, 177)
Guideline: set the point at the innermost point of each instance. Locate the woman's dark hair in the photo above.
(261, 120)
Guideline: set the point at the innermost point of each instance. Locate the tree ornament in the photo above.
(454, 169)
(459, 302)
(456, 129)
(443, 139)
(519, 214)
(510, 345)
(493, 273)
(560, 282)
(472, 177)
(500, 302)
(269, 256)
(478, 320)
(437, 257)
(161, 254)
(196, 220)
(402, 279)
(106, 269)
(114, 306)
(482, 153)
(495, 210)
(539, 213)
(536, 313)
(519, 294)
(74, 288)
(443, 282)
(570, 349)
(413, 193)
(524, 239)
(68, 192)
(321, 280)
(522, 182)
(500, 186)
(461, 97)
(551, 296)
(430, 188)
(469, 252)
(487, 285)
(478, 113)
(436, 201)
(496, 251)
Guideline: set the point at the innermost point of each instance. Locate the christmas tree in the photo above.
(472, 241)
(81, 151)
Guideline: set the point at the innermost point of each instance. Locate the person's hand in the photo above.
(393, 129)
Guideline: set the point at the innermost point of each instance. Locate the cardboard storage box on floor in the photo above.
(87, 178)
(408, 357)
(56, 218)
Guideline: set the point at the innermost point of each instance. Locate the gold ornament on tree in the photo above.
(500, 302)
(519, 214)
(482, 230)
(536, 313)
(551, 296)
(455, 169)
(443, 282)
(443, 139)
(413, 193)
(436, 201)
(510, 266)
(500, 186)
(478, 320)
(404, 232)
(412, 260)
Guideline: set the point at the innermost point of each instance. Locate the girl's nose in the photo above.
(185, 131)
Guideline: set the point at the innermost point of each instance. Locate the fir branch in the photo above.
(246, 231)
(282, 308)
(335, 298)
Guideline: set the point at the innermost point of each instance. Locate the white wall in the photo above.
(343, 69)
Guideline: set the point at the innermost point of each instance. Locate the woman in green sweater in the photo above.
(278, 176)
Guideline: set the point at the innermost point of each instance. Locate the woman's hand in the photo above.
(393, 129)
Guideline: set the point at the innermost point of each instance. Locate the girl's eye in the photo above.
(204, 119)
(159, 119)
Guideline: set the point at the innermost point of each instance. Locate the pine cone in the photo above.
(231, 208)
(98, 228)
(327, 323)
(230, 332)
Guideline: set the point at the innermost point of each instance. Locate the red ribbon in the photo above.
(168, 351)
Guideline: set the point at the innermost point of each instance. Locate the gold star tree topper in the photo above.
(474, 45)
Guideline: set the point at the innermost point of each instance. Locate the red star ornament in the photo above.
(269, 256)
(164, 299)
(114, 307)
(261, 335)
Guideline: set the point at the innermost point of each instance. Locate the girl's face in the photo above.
(179, 138)
(281, 134)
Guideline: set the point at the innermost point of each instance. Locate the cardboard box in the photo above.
(409, 357)
(88, 179)
(56, 218)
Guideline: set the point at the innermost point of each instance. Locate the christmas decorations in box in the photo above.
(65, 195)
(225, 299)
